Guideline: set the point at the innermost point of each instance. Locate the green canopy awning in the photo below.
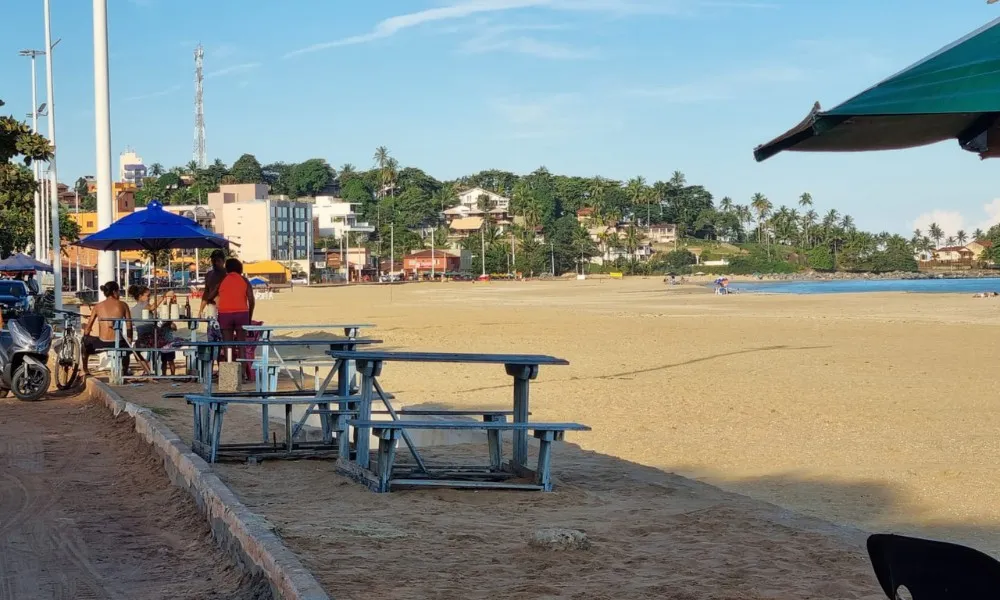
(952, 94)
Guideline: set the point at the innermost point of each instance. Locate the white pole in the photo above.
(102, 121)
(432, 253)
(392, 250)
(552, 250)
(513, 253)
(482, 236)
(34, 128)
(56, 239)
(79, 286)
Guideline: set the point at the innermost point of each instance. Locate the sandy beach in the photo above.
(868, 411)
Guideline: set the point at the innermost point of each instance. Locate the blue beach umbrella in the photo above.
(153, 230)
(21, 263)
(258, 281)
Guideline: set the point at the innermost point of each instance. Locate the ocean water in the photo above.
(854, 286)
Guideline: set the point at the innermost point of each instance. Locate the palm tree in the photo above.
(936, 233)
(847, 223)
(347, 170)
(726, 204)
(762, 206)
(746, 217)
(961, 236)
(949, 241)
(192, 167)
(805, 200)
(978, 235)
(156, 169)
(636, 190)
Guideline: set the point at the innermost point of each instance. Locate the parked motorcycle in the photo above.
(24, 357)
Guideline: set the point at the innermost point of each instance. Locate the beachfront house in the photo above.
(662, 233)
(953, 254)
(977, 247)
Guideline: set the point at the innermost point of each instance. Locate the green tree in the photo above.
(247, 169)
(679, 260)
(19, 147)
(310, 177)
(156, 169)
(961, 236)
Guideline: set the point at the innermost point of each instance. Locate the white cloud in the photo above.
(499, 38)
(723, 86)
(550, 116)
(242, 68)
(951, 221)
(469, 8)
(169, 90)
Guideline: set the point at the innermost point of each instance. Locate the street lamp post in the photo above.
(482, 236)
(33, 54)
(54, 203)
(102, 121)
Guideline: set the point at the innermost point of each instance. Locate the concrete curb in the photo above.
(248, 537)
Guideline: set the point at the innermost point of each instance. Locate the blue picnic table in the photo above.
(208, 352)
(522, 368)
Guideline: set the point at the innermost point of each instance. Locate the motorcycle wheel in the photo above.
(30, 382)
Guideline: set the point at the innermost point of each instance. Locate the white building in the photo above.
(268, 229)
(470, 199)
(131, 168)
(334, 217)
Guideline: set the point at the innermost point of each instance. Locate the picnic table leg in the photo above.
(494, 439)
(387, 439)
(220, 409)
(196, 409)
(369, 369)
(288, 427)
(351, 333)
(543, 476)
(320, 391)
(207, 357)
(522, 374)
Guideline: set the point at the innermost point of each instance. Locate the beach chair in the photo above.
(932, 570)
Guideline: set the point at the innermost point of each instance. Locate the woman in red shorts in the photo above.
(234, 298)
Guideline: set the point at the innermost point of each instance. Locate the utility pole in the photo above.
(513, 255)
(433, 262)
(482, 236)
(392, 250)
(34, 165)
(102, 122)
(54, 204)
(552, 255)
(79, 287)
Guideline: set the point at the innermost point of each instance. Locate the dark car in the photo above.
(14, 298)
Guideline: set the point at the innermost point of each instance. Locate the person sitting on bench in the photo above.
(110, 308)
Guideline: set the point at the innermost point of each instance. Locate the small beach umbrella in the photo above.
(21, 263)
(952, 94)
(258, 281)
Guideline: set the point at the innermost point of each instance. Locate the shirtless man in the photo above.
(110, 308)
(212, 281)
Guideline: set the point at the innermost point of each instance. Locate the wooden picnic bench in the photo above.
(389, 432)
(521, 367)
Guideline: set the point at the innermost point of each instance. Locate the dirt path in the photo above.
(86, 511)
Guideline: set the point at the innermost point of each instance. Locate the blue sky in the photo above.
(610, 87)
